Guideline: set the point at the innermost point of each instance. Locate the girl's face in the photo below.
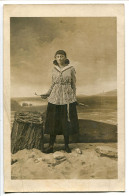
(60, 58)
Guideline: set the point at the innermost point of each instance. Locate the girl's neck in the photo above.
(61, 65)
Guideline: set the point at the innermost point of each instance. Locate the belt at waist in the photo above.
(63, 83)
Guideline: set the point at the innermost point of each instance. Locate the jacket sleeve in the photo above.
(73, 80)
(52, 85)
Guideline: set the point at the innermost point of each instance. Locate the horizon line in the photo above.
(80, 94)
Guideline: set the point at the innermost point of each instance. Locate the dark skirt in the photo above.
(57, 119)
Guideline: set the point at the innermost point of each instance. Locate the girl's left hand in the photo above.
(44, 96)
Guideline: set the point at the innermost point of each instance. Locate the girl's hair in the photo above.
(63, 53)
(66, 62)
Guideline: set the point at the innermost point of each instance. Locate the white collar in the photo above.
(66, 67)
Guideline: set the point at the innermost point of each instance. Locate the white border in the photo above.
(63, 2)
(126, 80)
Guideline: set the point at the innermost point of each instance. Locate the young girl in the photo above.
(61, 116)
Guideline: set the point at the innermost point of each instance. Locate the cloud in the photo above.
(89, 42)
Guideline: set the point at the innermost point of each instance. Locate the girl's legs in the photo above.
(66, 139)
(51, 144)
(49, 149)
(52, 140)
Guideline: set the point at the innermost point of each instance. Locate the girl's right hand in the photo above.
(44, 96)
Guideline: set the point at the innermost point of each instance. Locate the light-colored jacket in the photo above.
(63, 88)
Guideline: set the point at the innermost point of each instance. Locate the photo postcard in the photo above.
(64, 98)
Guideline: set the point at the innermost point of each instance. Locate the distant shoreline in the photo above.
(104, 93)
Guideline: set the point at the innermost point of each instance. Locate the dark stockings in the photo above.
(49, 149)
(66, 139)
(52, 141)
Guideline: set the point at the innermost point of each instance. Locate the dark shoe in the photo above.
(48, 150)
(67, 149)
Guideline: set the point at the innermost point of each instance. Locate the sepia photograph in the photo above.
(80, 104)
(64, 98)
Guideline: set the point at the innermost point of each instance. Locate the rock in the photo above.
(37, 160)
(48, 160)
(57, 162)
(92, 176)
(83, 162)
(13, 161)
(58, 155)
(106, 151)
(59, 158)
(78, 151)
(31, 156)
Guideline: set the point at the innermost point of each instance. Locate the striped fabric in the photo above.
(63, 88)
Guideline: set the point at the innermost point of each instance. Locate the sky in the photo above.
(90, 44)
